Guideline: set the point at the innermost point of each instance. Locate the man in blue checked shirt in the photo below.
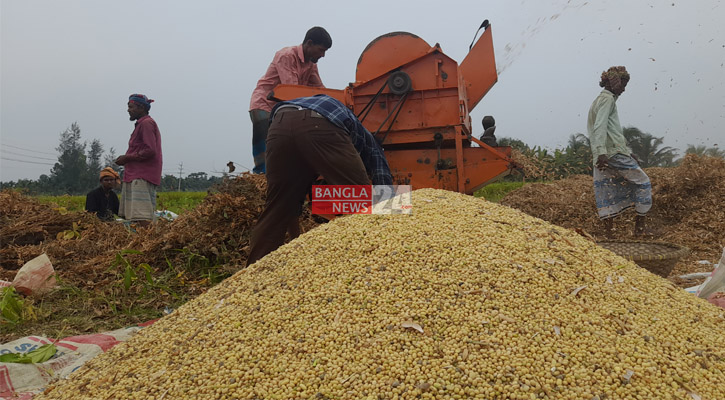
(308, 137)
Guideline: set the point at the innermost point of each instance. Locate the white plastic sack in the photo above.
(166, 214)
(23, 381)
(36, 276)
(716, 281)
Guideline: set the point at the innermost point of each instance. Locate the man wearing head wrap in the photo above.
(489, 127)
(103, 201)
(294, 65)
(619, 182)
(142, 164)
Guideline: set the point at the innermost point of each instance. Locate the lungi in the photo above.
(622, 185)
(138, 200)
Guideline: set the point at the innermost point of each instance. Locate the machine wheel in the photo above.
(400, 83)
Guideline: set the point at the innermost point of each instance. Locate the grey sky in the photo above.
(78, 60)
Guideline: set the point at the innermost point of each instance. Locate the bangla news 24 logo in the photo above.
(361, 199)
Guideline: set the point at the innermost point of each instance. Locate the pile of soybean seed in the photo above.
(462, 299)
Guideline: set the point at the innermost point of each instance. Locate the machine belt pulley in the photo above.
(399, 83)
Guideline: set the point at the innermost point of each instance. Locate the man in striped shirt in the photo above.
(308, 137)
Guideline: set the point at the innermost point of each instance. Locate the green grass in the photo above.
(496, 191)
(133, 292)
(177, 202)
(70, 203)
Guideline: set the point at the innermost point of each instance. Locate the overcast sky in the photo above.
(78, 60)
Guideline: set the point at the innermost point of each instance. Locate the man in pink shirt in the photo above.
(295, 65)
(142, 164)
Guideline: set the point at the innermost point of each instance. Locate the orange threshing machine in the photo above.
(417, 102)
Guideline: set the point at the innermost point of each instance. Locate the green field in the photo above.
(176, 202)
(179, 202)
(496, 191)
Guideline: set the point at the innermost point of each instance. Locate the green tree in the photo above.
(648, 148)
(69, 172)
(109, 160)
(93, 159)
(702, 150)
(579, 142)
(578, 155)
(76, 171)
(169, 183)
(196, 181)
(513, 143)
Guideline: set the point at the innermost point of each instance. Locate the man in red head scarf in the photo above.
(142, 164)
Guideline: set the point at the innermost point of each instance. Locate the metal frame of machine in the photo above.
(417, 101)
